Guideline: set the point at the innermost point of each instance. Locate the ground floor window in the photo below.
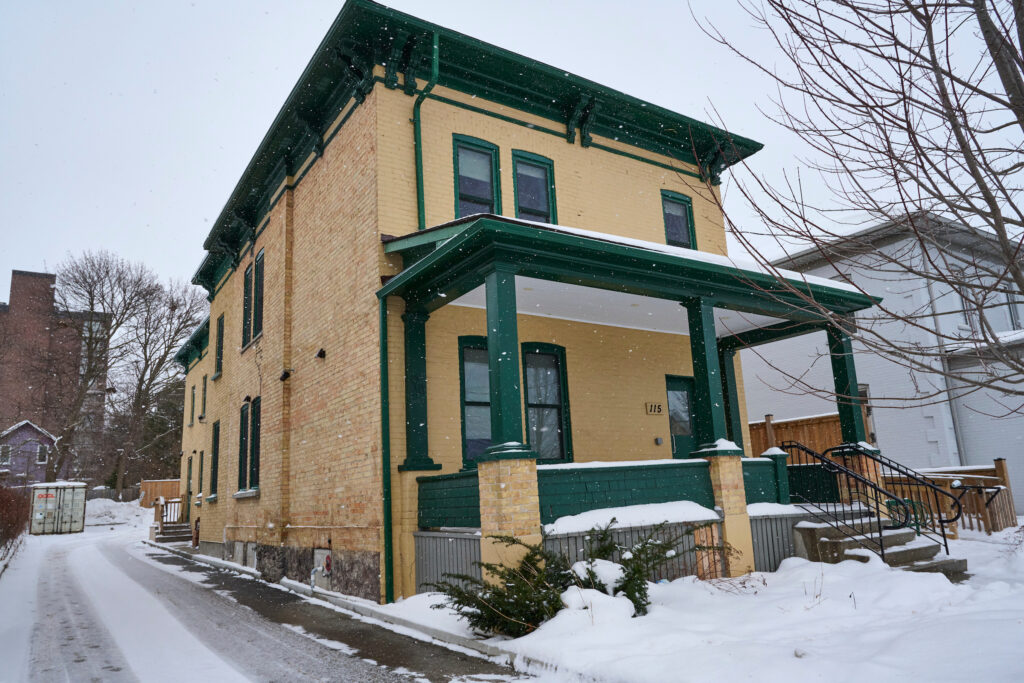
(544, 391)
(249, 445)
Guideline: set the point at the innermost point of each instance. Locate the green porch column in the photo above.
(710, 422)
(844, 372)
(503, 356)
(417, 456)
(726, 359)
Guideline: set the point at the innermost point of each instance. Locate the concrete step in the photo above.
(955, 568)
(918, 550)
(172, 538)
(835, 547)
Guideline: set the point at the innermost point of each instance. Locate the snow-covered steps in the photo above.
(899, 555)
(174, 533)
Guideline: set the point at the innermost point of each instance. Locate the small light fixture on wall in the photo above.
(286, 374)
(247, 399)
(321, 354)
(658, 441)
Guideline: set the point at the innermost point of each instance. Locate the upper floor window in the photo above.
(534, 178)
(192, 407)
(252, 301)
(214, 457)
(202, 406)
(476, 177)
(678, 212)
(218, 359)
(41, 453)
(247, 307)
(5, 454)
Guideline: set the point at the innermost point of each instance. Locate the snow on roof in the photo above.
(21, 424)
(59, 485)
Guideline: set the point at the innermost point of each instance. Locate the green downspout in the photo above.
(385, 451)
(421, 212)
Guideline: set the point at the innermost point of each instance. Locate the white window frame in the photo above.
(45, 450)
(5, 454)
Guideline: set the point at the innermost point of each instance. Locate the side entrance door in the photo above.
(680, 415)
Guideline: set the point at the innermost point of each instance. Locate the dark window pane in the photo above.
(475, 180)
(468, 207)
(532, 190)
(542, 379)
(477, 380)
(679, 413)
(677, 223)
(546, 432)
(478, 430)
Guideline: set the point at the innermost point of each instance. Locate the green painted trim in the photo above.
(708, 400)
(417, 456)
(448, 500)
(726, 360)
(256, 417)
(687, 203)
(469, 341)
(496, 115)
(760, 482)
(243, 446)
(247, 307)
(772, 333)
(194, 347)
(844, 373)
(558, 352)
(781, 475)
(417, 240)
(652, 162)
(469, 142)
(218, 360)
(214, 458)
(421, 211)
(519, 155)
(503, 356)
(385, 455)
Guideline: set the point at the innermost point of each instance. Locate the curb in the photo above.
(518, 661)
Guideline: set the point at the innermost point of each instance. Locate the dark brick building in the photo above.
(40, 358)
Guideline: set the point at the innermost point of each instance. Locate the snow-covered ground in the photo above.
(806, 622)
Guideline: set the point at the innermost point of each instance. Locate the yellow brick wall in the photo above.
(195, 436)
(594, 189)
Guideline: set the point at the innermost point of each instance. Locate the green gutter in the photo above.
(421, 211)
(385, 451)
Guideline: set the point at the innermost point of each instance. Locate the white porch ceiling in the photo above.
(549, 299)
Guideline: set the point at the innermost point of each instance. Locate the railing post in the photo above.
(1004, 480)
(781, 474)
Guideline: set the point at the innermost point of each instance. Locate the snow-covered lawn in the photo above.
(806, 622)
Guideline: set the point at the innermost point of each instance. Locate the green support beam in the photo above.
(709, 399)
(844, 372)
(417, 456)
(503, 357)
(726, 360)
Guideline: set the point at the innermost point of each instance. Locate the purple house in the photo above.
(25, 450)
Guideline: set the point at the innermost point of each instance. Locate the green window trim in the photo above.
(202, 457)
(667, 196)
(478, 145)
(480, 343)
(214, 459)
(247, 306)
(192, 408)
(468, 342)
(243, 447)
(564, 413)
(254, 444)
(521, 156)
(202, 407)
(257, 296)
(218, 361)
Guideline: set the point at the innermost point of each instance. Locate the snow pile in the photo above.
(608, 573)
(103, 511)
(633, 515)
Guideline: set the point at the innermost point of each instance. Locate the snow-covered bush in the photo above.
(519, 599)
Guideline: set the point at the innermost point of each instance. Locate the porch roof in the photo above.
(453, 259)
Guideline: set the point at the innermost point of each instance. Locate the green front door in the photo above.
(680, 415)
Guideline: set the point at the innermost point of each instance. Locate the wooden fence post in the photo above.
(769, 431)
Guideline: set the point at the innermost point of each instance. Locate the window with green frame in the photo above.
(545, 393)
(202, 456)
(477, 185)
(678, 212)
(476, 397)
(243, 447)
(547, 401)
(247, 306)
(202, 407)
(534, 181)
(192, 408)
(218, 359)
(257, 295)
(214, 457)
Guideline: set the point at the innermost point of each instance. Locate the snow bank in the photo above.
(103, 511)
(633, 515)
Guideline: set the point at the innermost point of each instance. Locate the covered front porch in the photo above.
(506, 343)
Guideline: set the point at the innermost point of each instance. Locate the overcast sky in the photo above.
(125, 125)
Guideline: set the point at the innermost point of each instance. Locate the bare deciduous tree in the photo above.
(914, 114)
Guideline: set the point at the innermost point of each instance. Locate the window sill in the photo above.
(246, 493)
(212, 498)
(252, 342)
(199, 501)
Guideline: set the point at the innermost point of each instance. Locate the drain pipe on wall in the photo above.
(953, 412)
(385, 456)
(421, 213)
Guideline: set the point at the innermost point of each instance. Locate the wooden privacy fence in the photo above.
(817, 433)
(151, 489)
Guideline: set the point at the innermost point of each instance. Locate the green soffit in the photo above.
(366, 34)
(194, 346)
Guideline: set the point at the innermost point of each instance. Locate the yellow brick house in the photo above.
(447, 266)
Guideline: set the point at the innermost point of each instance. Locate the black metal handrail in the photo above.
(860, 505)
(926, 496)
